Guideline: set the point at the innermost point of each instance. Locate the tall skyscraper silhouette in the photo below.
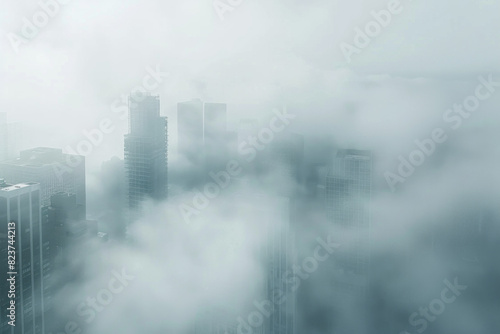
(203, 140)
(20, 204)
(277, 253)
(190, 130)
(68, 224)
(146, 152)
(215, 136)
(347, 195)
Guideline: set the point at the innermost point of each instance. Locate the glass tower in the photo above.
(348, 194)
(146, 161)
(20, 204)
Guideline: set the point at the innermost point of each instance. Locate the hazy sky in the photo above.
(93, 51)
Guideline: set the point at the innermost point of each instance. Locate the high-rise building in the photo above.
(146, 160)
(10, 138)
(68, 223)
(264, 226)
(203, 140)
(65, 228)
(315, 181)
(190, 130)
(277, 254)
(112, 204)
(215, 121)
(213, 320)
(52, 169)
(20, 204)
(215, 136)
(347, 196)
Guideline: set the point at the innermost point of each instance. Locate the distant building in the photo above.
(65, 228)
(146, 152)
(347, 196)
(316, 181)
(68, 223)
(277, 253)
(190, 130)
(215, 121)
(52, 169)
(203, 139)
(112, 204)
(215, 136)
(213, 320)
(20, 204)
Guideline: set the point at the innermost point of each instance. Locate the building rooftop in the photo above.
(6, 187)
(354, 154)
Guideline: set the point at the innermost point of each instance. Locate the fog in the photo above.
(431, 223)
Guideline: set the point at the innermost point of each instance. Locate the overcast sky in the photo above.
(93, 51)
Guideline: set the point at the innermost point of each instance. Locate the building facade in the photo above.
(190, 130)
(146, 152)
(347, 196)
(215, 136)
(20, 204)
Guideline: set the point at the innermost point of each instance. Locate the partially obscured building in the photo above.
(269, 217)
(203, 140)
(215, 136)
(68, 223)
(146, 152)
(347, 196)
(20, 203)
(190, 130)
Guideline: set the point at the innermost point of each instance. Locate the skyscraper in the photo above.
(203, 140)
(64, 229)
(347, 195)
(68, 223)
(146, 160)
(52, 169)
(214, 120)
(190, 130)
(215, 136)
(20, 204)
(271, 215)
